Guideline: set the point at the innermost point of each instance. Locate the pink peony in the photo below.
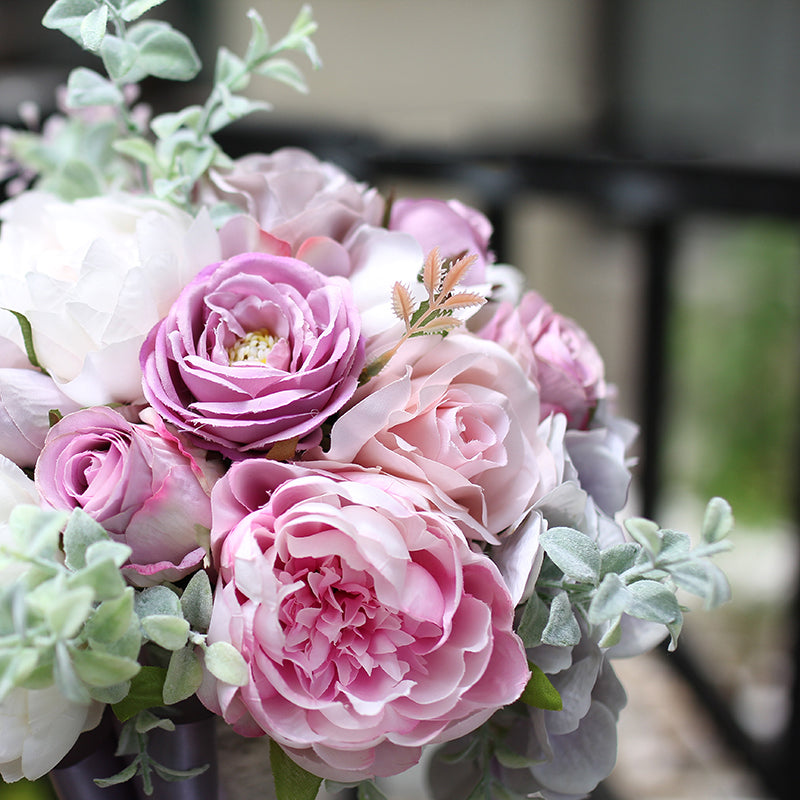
(458, 416)
(451, 226)
(369, 627)
(257, 350)
(140, 484)
(556, 353)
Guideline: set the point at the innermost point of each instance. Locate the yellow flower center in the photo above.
(253, 347)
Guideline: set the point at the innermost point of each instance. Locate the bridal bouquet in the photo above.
(276, 443)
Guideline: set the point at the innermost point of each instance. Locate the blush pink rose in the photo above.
(369, 626)
(458, 416)
(451, 226)
(256, 350)
(139, 483)
(556, 353)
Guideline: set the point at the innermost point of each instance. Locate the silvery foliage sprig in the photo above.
(116, 148)
(639, 578)
(68, 618)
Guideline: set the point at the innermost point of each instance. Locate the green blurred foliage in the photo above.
(25, 790)
(736, 372)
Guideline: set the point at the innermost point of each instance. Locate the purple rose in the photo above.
(556, 353)
(257, 350)
(139, 483)
(451, 226)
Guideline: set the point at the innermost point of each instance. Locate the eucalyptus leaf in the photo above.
(225, 662)
(574, 553)
(67, 16)
(80, 532)
(562, 628)
(107, 550)
(618, 558)
(167, 631)
(112, 618)
(93, 28)
(86, 88)
(646, 533)
(119, 58)
(67, 613)
(97, 668)
(717, 521)
(651, 600)
(197, 600)
(102, 577)
(609, 601)
(133, 9)
(184, 676)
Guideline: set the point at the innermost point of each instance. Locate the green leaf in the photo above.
(93, 28)
(147, 688)
(197, 600)
(369, 790)
(80, 532)
(27, 338)
(651, 600)
(66, 678)
(292, 782)
(613, 635)
(184, 676)
(562, 628)
(133, 9)
(164, 52)
(226, 663)
(85, 88)
(37, 532)
(574, 553)
(172, 775)
(167, 631)
(540, 693)
(165, 125)
(103, 578)
(67, 16)
(110, 694)
(97, 668)
(646, 533)
(675, 546)
(609, 601)
(231, 70)
(717, 521)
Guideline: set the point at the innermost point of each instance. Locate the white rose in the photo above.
(93, 276)
(37, 727)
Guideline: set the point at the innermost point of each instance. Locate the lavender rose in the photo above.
(369, 626)
(257, 350)
(140, 484)
(556, 353)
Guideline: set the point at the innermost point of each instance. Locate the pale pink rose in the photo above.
(139, 483)
(294, 196)
(556, 353)
(26, 399)
(450, 226)
(458, 416)
(368, 625)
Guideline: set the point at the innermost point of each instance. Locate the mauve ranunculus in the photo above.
(294, 196)
(257, 350)
(139, 483)
(460, 417)
(369, 626)
(451, 226)
(556, 353)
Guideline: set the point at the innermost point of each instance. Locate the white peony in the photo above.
(93, 276)
(37, 727)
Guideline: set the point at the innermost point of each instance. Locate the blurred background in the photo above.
(640, 162)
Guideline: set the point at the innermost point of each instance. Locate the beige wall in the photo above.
(437, 69)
